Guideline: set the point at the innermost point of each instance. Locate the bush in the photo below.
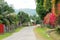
(1, 21)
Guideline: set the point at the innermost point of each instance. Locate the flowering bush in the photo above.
(50, 19)
(46, 19)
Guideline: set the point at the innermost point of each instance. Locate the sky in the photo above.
(18, 4)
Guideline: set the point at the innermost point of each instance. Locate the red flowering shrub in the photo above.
(50, 19)
(46, 19)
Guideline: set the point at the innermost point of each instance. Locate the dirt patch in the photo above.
(52, 33)
(55, 36)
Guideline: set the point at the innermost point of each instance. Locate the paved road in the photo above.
(24, 34)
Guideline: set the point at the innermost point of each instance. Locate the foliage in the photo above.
(7, 16)
(41, 10)
(5, 9)
(58, 25)
(50, 19)
(46, 18)
(48, 5)
(1, 21)
(23, 17)
(58, 20)
(36, 19)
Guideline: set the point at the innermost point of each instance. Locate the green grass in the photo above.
(42, 32)
(9, 34)
(5, 35)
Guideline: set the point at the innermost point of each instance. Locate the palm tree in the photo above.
(5, 10)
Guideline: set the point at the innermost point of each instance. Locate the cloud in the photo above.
(17, 4)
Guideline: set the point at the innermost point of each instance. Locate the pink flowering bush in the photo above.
(50, 19)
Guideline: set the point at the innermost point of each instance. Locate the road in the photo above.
(24, 34)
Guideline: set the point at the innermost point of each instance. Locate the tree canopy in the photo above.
(23, 17)
(5, 10)
(42, 7)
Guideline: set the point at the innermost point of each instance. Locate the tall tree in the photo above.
(23, 17)
(5, 10)
(42, 7)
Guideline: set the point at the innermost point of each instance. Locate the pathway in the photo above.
(24, 34)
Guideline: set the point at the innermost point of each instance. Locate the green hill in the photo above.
(29, 11)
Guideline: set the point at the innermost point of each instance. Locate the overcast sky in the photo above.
(18, 4)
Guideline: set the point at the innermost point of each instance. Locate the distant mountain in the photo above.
(29, 11)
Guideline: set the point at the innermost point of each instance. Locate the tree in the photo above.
(42, 7)
(23, 17)
(36, 19)
(47, 4)
(5, 11)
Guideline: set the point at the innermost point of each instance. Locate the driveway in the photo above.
(24, 34)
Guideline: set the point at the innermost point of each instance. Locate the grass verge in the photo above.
(5, 35)
(9, 34)
(42, 33)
